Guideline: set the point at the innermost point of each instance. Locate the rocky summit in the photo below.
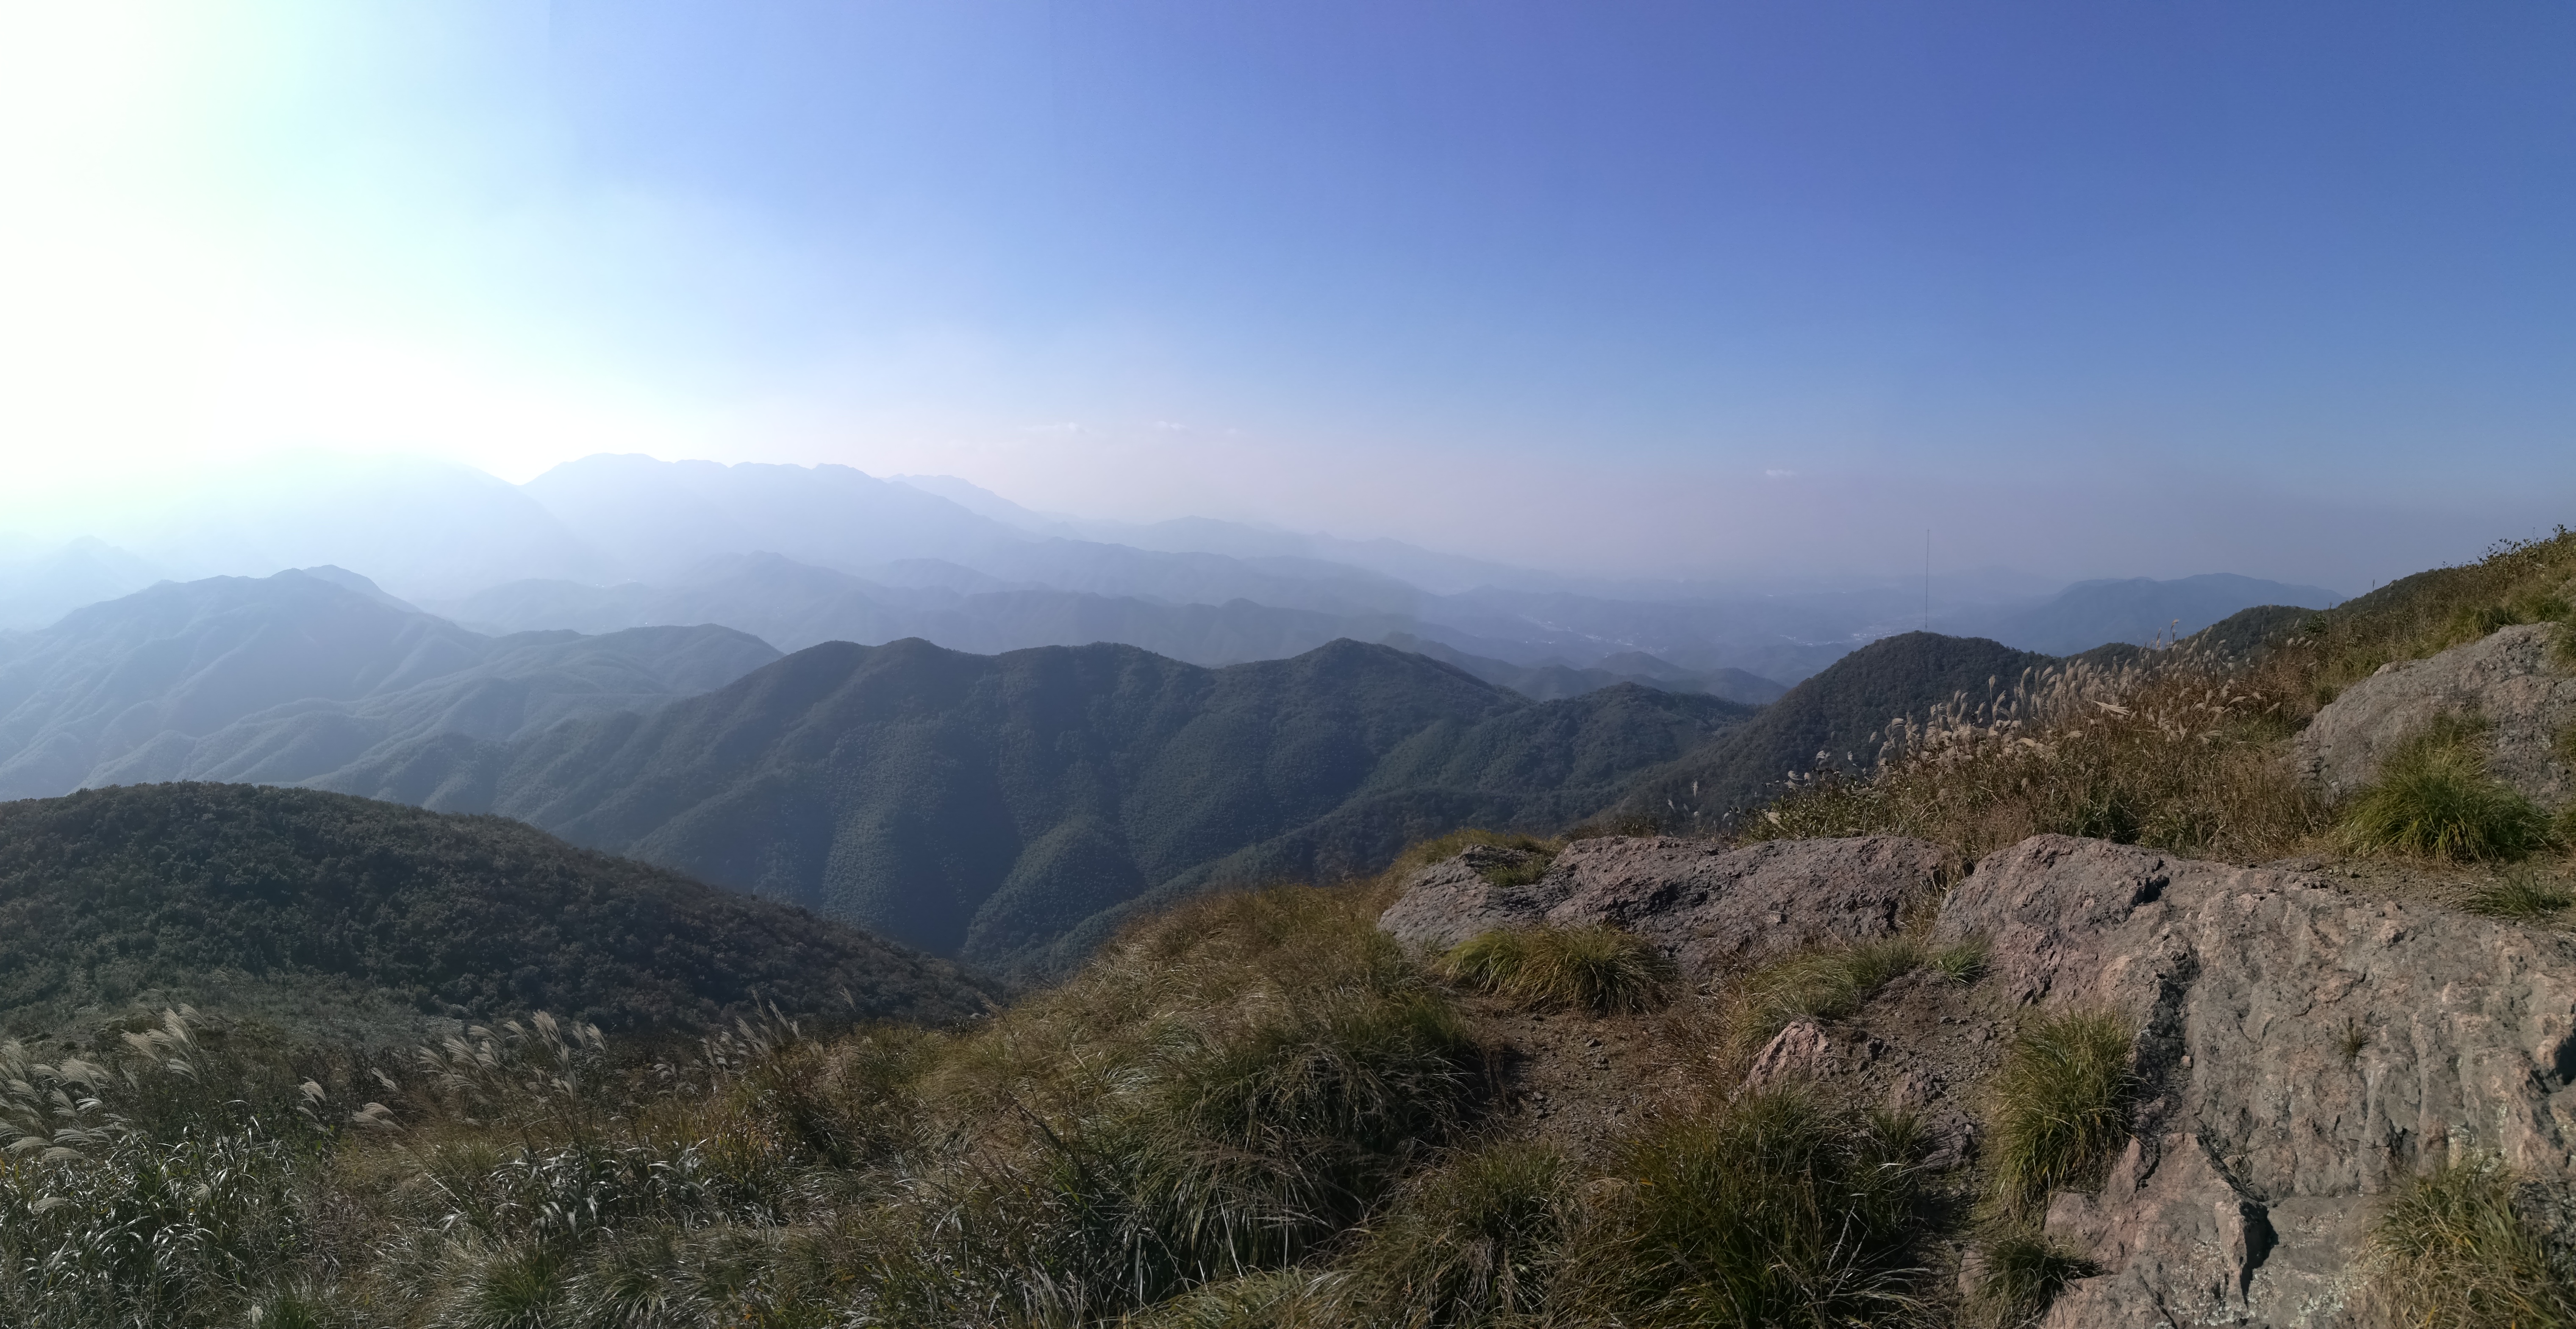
(2298, 1047)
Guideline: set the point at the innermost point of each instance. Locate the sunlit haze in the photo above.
(1715, 291)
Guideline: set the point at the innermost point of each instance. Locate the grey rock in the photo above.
(1798, 1052)
(1715, 909)
(2506, 678)
(1451, 900)
(2302, 1050)
(1710, 907)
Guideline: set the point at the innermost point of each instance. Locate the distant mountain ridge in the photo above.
(2136, 610)
(1548, 682)
(284, 679)
(1009, 809)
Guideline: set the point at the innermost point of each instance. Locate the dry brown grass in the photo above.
(2183, 750)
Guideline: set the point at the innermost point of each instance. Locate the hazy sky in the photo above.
(2286, 289)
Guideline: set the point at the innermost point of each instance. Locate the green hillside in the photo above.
(319, 908)
(1002, 808)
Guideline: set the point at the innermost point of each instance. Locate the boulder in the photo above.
(2507, 678)
(1710, 907)
(2301, 1051)
(1454, 899)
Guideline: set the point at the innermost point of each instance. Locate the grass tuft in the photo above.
(1831, 982)
(2023, 1271)
(1965, 962)
(2061, 1106)
(2521, 896)
(1768, 1211)
(1478, 1242)
(1602, 970)
(2448, 1252)
(2434, 799)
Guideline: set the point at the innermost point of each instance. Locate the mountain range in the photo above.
(1007, 808)
(1010, 809)
(285, 679)
(800, 555)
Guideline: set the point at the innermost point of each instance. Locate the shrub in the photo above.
(2022, 1272)
(1602, 970)
(2060, 1106)
(1475, 1243)
(2521, 896)
(1766, 1212)
(2434, 799)
(2448, 1252)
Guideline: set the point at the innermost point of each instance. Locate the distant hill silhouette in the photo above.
(286, 678)
(1842, 712)
(1548, 682)
(1008, 808)
(794, 605)
(319, 908)
(2137, 610)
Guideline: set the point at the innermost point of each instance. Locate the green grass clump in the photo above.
(1769, 1212)
(1478, 1242)
(2023, 1271)
(1831, 982)
(2435, 799)
(2521, 896)
(1964, 962)
(2060, 1106)
(2448, 1252)
(1602, 970)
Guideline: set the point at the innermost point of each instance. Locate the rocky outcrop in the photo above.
(2303, 1049)
(1710, 907)
(2506, 679)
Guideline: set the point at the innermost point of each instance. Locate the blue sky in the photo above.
(1717, 289)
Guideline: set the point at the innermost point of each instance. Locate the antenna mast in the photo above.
(1927, 579)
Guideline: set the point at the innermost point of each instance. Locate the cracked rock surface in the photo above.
(2302, 1050)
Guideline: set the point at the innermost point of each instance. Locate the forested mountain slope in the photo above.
(319, 908)
(1007, 808)
(1841, 713)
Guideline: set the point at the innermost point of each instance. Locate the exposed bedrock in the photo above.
(2506, 679)
(1709, 907)
(2302, 1050)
